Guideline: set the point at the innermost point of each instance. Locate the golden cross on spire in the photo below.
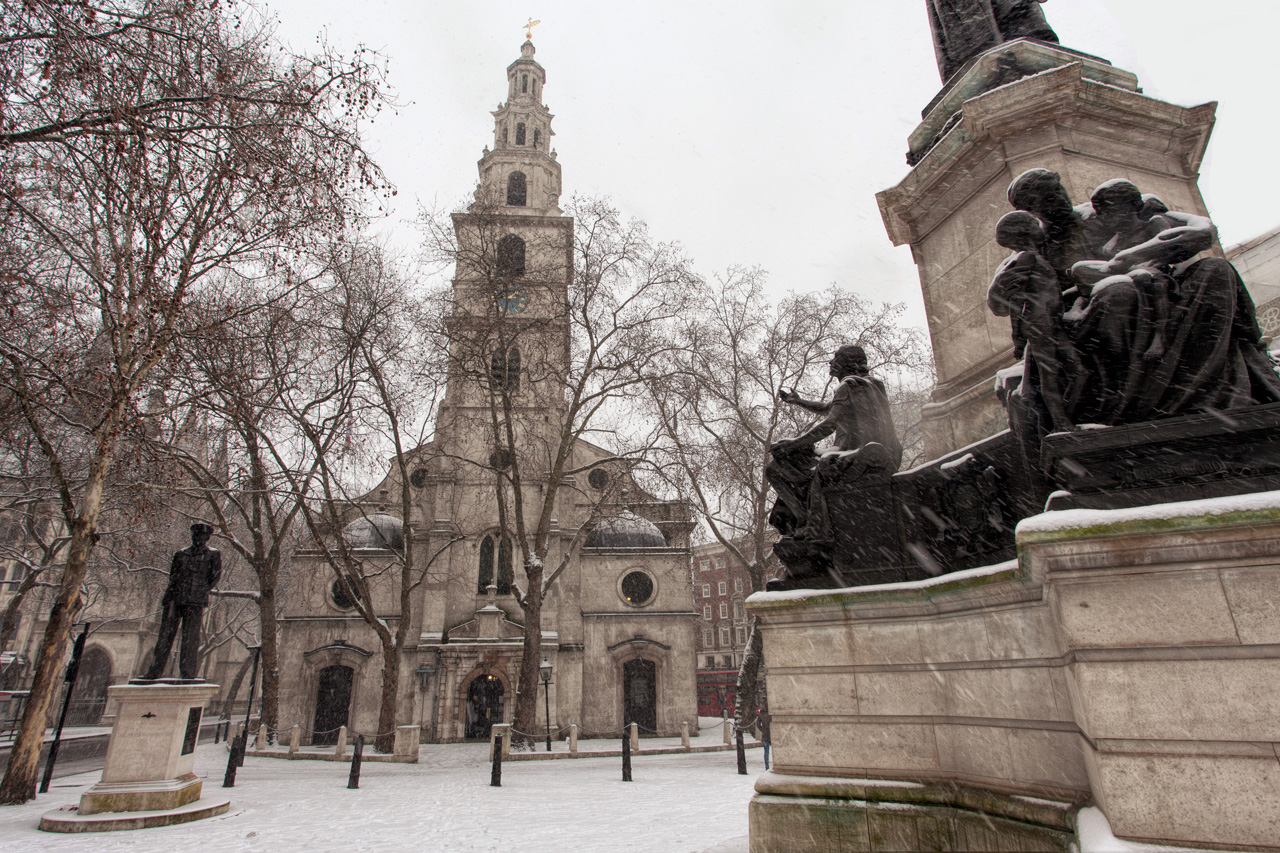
(528, 28)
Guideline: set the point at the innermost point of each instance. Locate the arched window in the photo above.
(517, 186)
(504, 368)
(488, 546)
(537, 137)
(511, 256)
(520, 133)
(504, 134)
(524, 82)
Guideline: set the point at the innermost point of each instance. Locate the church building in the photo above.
(618, 626)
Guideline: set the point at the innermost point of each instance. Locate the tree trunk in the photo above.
(526, 716)
(749, 678)
(270, 660)
(229, 706)
(19, 783)
(386, 734)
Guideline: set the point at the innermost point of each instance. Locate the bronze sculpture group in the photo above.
(1115, 319)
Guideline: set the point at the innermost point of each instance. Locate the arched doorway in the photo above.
(484, 705)
(333, 703)
(640, 694)
(89, 698)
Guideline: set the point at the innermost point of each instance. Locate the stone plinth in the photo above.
(1131, 657)
(149, 762)
(1169, 614)
(1076, 115)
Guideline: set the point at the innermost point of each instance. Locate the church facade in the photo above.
(618, 626)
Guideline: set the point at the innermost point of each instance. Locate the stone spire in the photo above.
(520, 174)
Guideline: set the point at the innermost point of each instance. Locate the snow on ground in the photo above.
(676, 803)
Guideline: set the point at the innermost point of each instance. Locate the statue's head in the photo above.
(1040, 191)
(1020, 231)
(1117, 202)
(200, 533)
(849, 360)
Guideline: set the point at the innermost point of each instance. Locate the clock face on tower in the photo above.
(512, 300)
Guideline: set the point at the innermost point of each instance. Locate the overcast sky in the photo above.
(758, 133)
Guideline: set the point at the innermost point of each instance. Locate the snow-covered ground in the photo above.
(682, 803)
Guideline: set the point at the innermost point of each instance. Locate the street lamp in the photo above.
(544, 669)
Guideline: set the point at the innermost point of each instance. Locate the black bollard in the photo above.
(742, 753)
(234, 760)
(626, 755)
(495, 778)
(217, 730)
(353, 780)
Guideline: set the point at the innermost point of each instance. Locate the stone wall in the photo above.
(1128, 657)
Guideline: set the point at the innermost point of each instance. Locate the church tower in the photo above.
(521, 171)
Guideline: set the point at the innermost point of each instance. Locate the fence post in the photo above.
(626, 756)
(742, 754)
(353, 778)
(684, 734)
(728, 732)
(295, 738)
(635, 737)
(495, 755)
(260, 743)
(340, 748)
(573, 738)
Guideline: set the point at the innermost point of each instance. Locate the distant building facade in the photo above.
(1258, 262)
(721, 585)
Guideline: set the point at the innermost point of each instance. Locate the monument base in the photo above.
(812, 815)
(69, 820)
(147, 779)
(1128, 657)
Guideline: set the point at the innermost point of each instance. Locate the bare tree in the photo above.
(551, 378)
(716, 410)
(109, 230)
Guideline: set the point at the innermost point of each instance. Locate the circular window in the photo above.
(598, 478)
(637, 588)
(500, 459)
(344, 595)
(418, 478)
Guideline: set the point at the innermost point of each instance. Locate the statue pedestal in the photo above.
(1129, 657)
(1074, 114)
(147, 779)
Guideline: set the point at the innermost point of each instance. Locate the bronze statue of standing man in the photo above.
(962, 29)
(192, 575)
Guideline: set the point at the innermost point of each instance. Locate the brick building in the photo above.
(720, 586)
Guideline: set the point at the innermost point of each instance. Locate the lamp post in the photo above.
(544, 669)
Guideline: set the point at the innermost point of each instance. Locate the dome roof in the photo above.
(377, 530)
(626, 530)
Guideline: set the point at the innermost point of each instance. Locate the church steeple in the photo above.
(520, 174)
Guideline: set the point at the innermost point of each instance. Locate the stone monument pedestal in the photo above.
(147, 779)
(1128, 657)
(1021, 105)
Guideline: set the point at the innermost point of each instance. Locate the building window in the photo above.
(722, 587)
(720, 562)
(524, 83)
(724, 611)
(739, 610)
(706, 612)
(703, 565)
(724, 640)
(708, 639)
(637, 588)
(706, 590)
(487, 547)
(504, 135)
(520, 133)
(505, 370)
(537, 137)
(517, 189)
(511, 256)
(742, 636)
(737, 584)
